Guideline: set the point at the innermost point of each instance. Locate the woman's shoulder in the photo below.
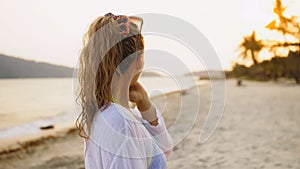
(117, 117)
(111, 116)
(113, 122)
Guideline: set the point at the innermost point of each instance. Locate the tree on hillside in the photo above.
(250, 47)
(283, 63)
(287, 26)
(293, 65)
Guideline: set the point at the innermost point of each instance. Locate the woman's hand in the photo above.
(138, 95)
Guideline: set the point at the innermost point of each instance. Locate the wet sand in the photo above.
(260, 128)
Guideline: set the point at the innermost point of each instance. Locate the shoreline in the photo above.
(21, 142)
(11, 145)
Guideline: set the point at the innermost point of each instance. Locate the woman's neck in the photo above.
(121, 93)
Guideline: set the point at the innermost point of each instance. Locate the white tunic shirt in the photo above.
(120, 138)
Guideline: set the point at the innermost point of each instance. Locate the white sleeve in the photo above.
(160, 134)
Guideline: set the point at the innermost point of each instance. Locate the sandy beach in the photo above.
(260, 128)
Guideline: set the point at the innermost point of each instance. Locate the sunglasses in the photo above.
(123, 23)
(137, 21)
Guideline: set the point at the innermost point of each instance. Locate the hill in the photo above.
(12, 67)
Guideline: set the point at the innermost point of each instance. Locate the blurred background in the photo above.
(258, 45)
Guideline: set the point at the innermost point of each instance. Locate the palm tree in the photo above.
(284, 22)
(286, 26)
(250, 47)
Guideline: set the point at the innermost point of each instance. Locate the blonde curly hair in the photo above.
(102, 52)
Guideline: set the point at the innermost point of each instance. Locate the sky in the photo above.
(51, 30)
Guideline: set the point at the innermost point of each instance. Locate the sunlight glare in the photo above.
(256, 13)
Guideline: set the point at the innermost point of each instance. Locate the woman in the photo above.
(117, 136)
